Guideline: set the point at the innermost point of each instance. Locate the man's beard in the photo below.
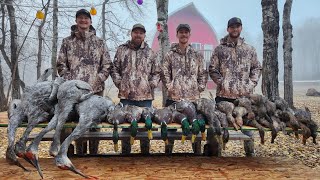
(234, 36)
(137, 42)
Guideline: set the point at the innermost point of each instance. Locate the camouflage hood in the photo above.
(183, 74)
(234, 68)
(84, 56)
(135, 72)
(227, 42)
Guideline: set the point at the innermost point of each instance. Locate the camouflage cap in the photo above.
(183, 26)
(83, 12)
(233, 21)
(138, 26)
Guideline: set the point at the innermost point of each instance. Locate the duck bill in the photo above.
(183, 139)
(193, 138)
(166, 142)
(116, 147)
(131, 140)
(150, 136)
(203, 136)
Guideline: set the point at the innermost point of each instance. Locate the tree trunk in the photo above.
(163, 38)
(14, 49)
(54, 38)
(103, 14)
(287, 52)
(40, 38)
(270, 28)
(3, 100)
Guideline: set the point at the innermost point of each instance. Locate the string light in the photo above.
(139, 2)
(40, 15)
(93, 11)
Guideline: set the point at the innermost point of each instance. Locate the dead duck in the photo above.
(308, 126)
(147, 115)
(224, 123)
(183, 120)
(227, 108)
(263, 112)
(136, 113)
(206, 107)
(202, 124)
(116, 117)
(290, 120)
(246, 103)
(163, 117)
(238, 113)
(189, 109)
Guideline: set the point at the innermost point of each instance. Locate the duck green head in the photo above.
(164, 131)
(134, 128)
(202, 125)
(148, 123)
(185, 126)
(195, 128)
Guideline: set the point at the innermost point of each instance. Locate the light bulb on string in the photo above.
(40, 15)
(93, 11)
(139, 2)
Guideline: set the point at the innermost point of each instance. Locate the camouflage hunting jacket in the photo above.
(183, 74)
(234, 68)
(135, 72)
(84, 56)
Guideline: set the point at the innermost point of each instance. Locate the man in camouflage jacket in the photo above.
(83, 55)
(136, 71)
(235, 69)
(234, 65)
(136, 74)
(183, 69)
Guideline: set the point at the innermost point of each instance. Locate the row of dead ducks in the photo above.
(53, 102)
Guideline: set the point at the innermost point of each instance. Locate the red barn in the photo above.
(203, 36)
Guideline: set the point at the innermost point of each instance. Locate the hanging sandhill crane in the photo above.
(69, 94)
(16, 117)
(32, 150)
(35, 107)
(91, 112)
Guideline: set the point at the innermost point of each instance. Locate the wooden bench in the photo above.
(125, 136)
(214, 149)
